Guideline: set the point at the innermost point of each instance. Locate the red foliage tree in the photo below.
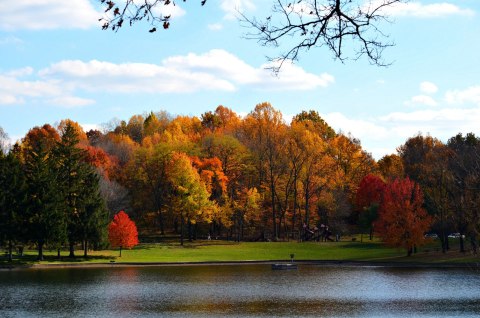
(402, 220)
(97, 157)
(368, 199)
(370, 191)
(122, 232)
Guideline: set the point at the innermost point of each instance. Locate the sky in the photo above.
(56, 63)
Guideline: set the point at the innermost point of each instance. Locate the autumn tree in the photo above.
(45, 138)
(309, 154)
(247, 209)
(81, 135)
(352, 162)
(122, 232)
(147, 180)
(425, 160)
(234, 157)
(191, 198)
(391, 167)
(463, 176)
(229, 120)
(264, 132)
(368, 200)
(402, 219)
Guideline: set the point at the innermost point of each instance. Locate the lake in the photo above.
(240, 291)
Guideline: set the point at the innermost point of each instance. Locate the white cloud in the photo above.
(88, 127)
(214, 70)
(421, 100)
(382, 135)
(47, 14)
(359, 128)
(16, 91)
(215, 27)
(11, 86)
(133, 77)
(71, 101)
(419, 10)
(468, 95)
(8, 99)
(10, 40)
(428, 88)
(233, 7)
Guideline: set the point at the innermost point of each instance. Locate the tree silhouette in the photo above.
(304, 24)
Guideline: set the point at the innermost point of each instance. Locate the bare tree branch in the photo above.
(132, 11)
(350, 29)
(305, 24)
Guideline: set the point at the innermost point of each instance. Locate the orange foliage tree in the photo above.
(368, 199)
(402, 220)
(122, 232)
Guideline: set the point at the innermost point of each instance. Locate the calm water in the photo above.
(239, 291)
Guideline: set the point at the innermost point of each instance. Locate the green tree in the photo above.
(12, 200)
(79, 188)
(46, 221)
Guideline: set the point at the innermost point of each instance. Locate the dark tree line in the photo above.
(49, 194)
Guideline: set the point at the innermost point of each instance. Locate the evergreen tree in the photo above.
(93, 215)
(46, 222)
(12, 200)
(83, 207)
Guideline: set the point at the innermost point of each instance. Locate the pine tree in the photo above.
(12, 200)
(46, 222)
(83, 207)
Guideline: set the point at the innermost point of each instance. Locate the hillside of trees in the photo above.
(239, 178)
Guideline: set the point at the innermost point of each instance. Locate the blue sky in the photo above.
(57, 63)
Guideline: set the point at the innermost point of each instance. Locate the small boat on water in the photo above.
(284, 266)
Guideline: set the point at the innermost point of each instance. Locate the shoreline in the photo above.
(326, 263)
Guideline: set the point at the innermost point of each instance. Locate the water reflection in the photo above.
(239, 291)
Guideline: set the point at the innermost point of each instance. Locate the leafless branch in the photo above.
(305, 24)
(132, 11)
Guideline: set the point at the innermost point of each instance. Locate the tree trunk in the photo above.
(181, 228)
(189, 224)
(85, 248)
(72, 250)
(40, 251)
(120, 251)
(10, 253)
(409, 251)
(58, 253)
(462, 243)
(160, 220)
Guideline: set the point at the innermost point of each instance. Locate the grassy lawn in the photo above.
(210, 251)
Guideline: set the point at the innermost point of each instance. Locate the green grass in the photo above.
(224, 251)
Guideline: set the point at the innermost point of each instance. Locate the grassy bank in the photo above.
(223, 251)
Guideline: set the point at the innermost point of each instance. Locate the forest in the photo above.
(224, 176)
